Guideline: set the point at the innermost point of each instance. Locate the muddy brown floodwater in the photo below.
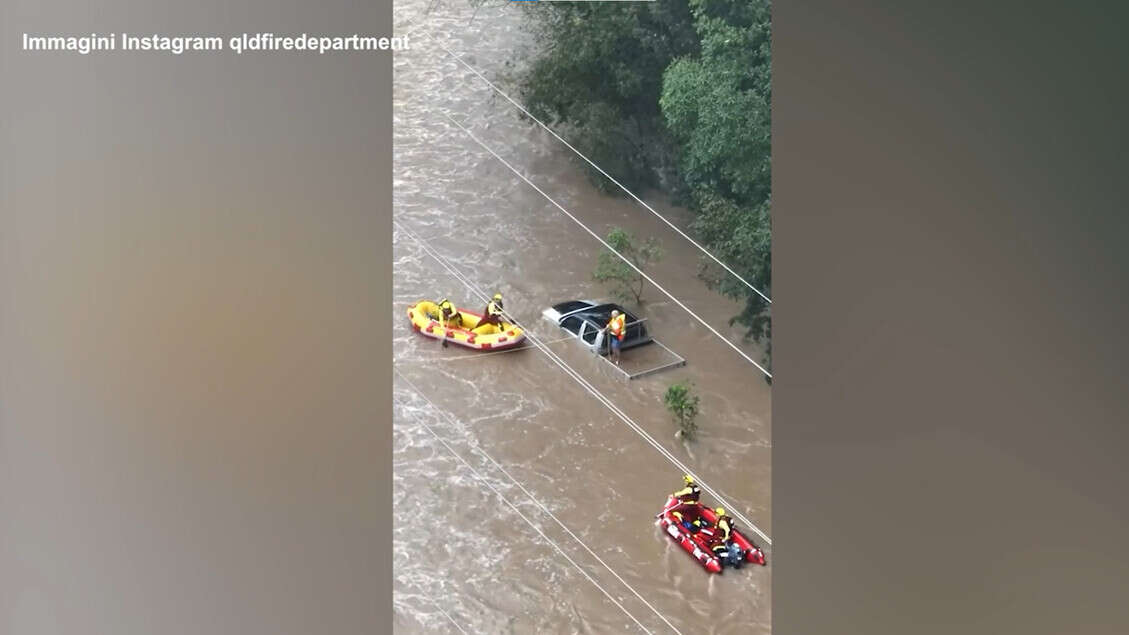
(463, 559)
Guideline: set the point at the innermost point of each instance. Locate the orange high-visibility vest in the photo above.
(617, 326)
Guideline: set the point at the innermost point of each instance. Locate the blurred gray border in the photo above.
(950, 303)
(195, 288)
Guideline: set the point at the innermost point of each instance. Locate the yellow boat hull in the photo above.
(425, 319)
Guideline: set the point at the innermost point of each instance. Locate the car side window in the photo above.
(572, 324)
(637, 331)
(590, 332)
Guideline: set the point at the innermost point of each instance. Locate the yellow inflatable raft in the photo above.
(424, 316)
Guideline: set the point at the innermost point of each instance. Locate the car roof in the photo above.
(602, 313)
(573, 306)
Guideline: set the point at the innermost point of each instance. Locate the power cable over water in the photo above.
(547, 539)
(542, 507)
(584, 383)
(596, 167)
(611, 249)
(439, 608)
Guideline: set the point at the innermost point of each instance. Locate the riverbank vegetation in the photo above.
(672, 95)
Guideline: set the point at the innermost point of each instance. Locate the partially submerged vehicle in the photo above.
(425, 315)
(585, 320)
(694, 527)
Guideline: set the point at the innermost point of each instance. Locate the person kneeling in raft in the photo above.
(689, 495)
(449, 317)
(492, 315)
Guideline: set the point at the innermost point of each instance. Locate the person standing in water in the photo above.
(617, 326)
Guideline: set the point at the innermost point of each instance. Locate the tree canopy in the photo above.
(674, 94)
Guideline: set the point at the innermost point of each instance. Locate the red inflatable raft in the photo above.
(698, 543)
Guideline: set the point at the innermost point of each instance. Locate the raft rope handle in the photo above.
(610, 248)
(477, 447)
(593, 164)
(576, 376)
(480, 355)
(505, 500)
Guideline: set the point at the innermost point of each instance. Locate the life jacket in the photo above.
(690, 494)
(725, 526)
(493, 308)
(448, 312)
(617, 325)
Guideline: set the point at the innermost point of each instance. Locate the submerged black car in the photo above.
(585, 320)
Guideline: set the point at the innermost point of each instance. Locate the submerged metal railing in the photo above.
(603, 349)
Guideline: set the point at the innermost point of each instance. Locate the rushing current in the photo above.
(464, 560)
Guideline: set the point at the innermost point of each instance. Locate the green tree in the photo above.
(717, 107)
(674, 94)
(683, 406)
(626, 283)
(598, 77)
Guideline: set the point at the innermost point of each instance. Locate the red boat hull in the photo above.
(697, 544)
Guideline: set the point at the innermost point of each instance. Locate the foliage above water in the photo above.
(625, 282)
(599, 74)
(673, 94)
(683, 406)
